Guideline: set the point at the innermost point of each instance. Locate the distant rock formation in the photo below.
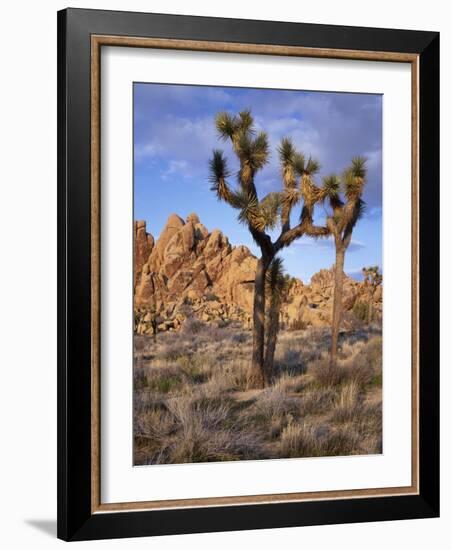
(190, 272)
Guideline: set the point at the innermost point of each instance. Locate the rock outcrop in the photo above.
(190, 272)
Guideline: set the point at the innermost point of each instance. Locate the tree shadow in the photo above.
(46, 526)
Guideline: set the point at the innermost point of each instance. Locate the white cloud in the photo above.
(175, 167)
(145, 150)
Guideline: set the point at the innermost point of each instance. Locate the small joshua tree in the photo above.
(276, 288)
(341, 223)
(372, 279)
(154, 322)
(267, 213)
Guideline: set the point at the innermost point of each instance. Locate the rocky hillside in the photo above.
(190, 272)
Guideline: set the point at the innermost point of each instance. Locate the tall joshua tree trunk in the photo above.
(272, 330)
(276, 285)
(337, 306)
(258, 377)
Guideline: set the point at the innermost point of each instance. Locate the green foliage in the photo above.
(354, 178)
(376, 380)
(312, 167)
(286, 151)
(270, 208)
(359, 167)
(211, 297)
(360, 310)
(372, 275)
(218, 166)
(247, 203)
(275, 277)
(164, 384)
(226, 125)
(331, 186)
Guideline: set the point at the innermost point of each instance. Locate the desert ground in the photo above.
(192, 402)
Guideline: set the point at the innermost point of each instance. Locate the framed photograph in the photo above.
(248, 274)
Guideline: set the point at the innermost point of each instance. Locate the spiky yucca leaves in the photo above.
(249, 212)
(276, 285)
(270, 210)
(356, 212)
(287, 156)
(275, 278)
(219, 173)
(226, 125)
(330, 191)
(294, 167)
(310, 192)
(354, 178)
(253, 154)
(345, 213)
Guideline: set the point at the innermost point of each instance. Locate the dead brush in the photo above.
(204, 434)
(325, 375)
(299, 440)
(227, 378)
(347, 406)
(307, 440)
(315, 401)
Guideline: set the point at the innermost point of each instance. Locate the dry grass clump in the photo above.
(362, 364)
(234, 377)
(196, 430)
(317, 401)
(325, 376)
(192, 401)
(272, 402)
(347, 405)
(308, 440)
(299, 440)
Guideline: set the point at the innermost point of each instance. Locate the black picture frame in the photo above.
(75, 518)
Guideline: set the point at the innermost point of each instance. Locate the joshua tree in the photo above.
(341, 223)
(261, 215)
(154, 322)
(276, 287)
(372, 279)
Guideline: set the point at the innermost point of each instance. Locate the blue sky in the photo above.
(174, 135)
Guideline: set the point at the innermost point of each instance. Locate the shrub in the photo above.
(192, 369)
(239, 338)
(316, 401)
(154, 424)
(299, 440)
(203, 434)
(376, 380)
(172, 352)
(360, 310)
(165, 383)
(373, 353)
(325, 375)
(271, 412)
(211, 297)
(304, 440)
(289, 360)
(297, 324)
(224, 378)
(346, 406)
(192, 326)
